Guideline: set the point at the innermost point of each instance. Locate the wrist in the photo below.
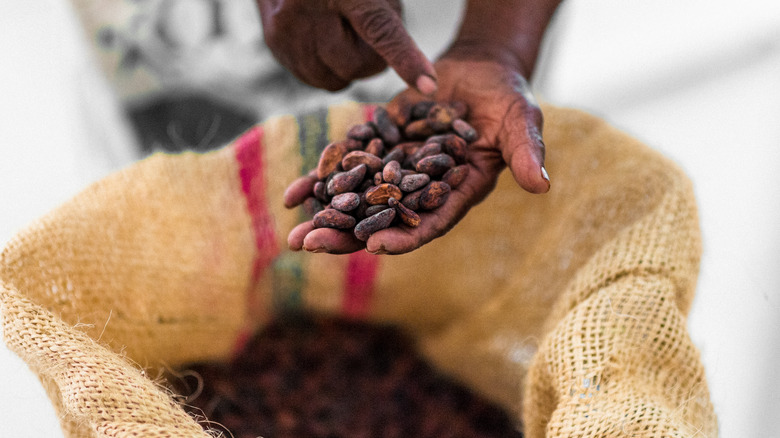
(508, 32)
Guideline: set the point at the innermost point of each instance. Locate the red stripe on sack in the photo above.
(249, 154)
(248, 150)
(368, 112)
(362, 269)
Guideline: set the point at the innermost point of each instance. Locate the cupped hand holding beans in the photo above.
(507, 122)
(486, 68)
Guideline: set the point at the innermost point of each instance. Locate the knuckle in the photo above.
(380, 26)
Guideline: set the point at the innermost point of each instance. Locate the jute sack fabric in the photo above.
(567, 308)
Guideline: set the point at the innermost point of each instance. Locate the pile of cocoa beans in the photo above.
(323, 377)
(383, 174)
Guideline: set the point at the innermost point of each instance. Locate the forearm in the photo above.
(510, 31)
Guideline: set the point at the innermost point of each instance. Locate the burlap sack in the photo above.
(568, 308)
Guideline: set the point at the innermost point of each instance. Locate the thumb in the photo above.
(523, 148)
(381, 27)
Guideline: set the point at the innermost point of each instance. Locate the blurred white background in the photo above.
(698, 80)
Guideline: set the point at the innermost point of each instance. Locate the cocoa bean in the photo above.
(397, 154)
(370, 225)
(360, 211)
(365, 185)
(362, 132)
(351, 144)
(381, 193)
(440, 117)
(321, 192)
(343, 182)
(409, 147)
(330, 159)
(345, 201)
(407, 215)
(332, 218)
(418, 129)
(376, 147)
(410, 183)
(426, 150)
(356, 158)
(463, 129)
(438, 138)
(385, 127)
(434, 195)
(435, 165)
(312, 206)
(455, 176)
(374, 209)
(420, 109)
(392, 173)
(378, 179)
(412, 200)
(457, 147)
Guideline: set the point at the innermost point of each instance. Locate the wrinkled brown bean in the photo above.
(345, 201)
(385, 127)
(440, 117)
(330, 159)
(332, 218)
(434, 195)
(455, 176)
(457, 147)
(356, 158)
(463, 129)
(374, 209)
(435, 165)
(418, 129)
(381, 193)
(312, 206)
(362, 132)
(346, 181)
(397, 154)
(376, 146)
(407, 215)
(426, 150)
(370, 225)
(351, 144)
(378, 179)
(410, 183)
(321, 192)
(392, 173)
(412, 200)
(420, 109)
(410, 147)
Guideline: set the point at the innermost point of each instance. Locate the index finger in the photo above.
(381, 27)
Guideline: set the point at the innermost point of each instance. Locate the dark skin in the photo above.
(487, 67)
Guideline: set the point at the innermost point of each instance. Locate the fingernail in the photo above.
(426, 85)
(380, 251)
(319, 249)
(546, 177)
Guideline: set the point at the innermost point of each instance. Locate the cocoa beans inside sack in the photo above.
(382, 166)
(322, 377)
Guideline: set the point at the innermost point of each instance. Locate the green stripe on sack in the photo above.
(288, 282)
(289, 272)
(313, 137)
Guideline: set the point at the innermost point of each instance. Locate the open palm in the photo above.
(508, 120)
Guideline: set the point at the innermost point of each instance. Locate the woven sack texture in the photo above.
(568, 308)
